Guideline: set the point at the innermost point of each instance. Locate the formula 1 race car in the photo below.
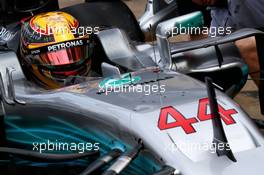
(166, 132)
(154, 109)
(198, 66)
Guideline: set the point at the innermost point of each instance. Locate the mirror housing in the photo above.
(173, 27)
(109, 70)
(155, 12)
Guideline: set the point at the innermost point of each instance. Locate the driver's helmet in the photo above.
(51, 50)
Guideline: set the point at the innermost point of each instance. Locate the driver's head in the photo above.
(51, 49)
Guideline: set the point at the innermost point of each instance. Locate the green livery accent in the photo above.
(191, 21)
(56, 129)
(117, 82)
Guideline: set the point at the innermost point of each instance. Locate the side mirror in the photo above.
(155, 12)
(110, 70)
(174, 27)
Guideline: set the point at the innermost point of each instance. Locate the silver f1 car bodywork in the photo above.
(157, 11)
(165, 124)
(82, 113)
(192, 58)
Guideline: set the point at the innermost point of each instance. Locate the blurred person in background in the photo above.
(239, 14)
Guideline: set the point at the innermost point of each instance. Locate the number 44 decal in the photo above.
(187, 124)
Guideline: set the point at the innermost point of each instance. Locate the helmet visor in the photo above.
(61, 54)
(64, 56)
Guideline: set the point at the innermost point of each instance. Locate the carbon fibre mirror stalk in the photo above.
(173, 27)
(220, 140)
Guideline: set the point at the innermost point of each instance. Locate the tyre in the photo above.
(14, 15)
(52, 5)
(107, 14)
